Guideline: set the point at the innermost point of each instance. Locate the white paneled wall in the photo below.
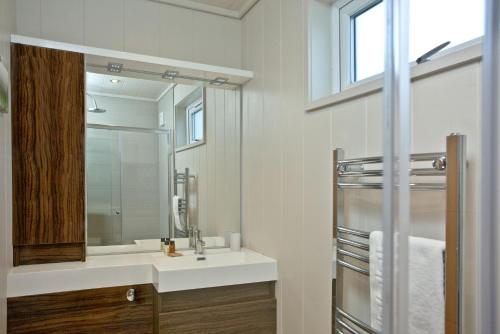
(138, 26)
(215, 197)
(285, 210)
(7, 25)
(165, 159)
(287, 166)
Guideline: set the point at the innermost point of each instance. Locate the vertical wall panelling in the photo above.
(28, 18)
(286, 165)
(220, 151)
(140, 26)
(176, 37)
(63, 20)
(216, 191)
(103, 24)
(211, 158)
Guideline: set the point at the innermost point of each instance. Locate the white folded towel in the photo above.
(426, 274)
(175, 212)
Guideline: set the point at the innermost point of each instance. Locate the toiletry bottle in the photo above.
(166, 245)
(171, 247)
(162, 244)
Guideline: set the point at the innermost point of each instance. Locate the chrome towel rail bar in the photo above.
(378, 172)
(377, 160)
(347, 327)
(352, 243)
(358, 233)
(353, 267)
(356, 321)
(344, 252)
(373, 185)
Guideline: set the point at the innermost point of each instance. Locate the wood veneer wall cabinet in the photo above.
(105, 310)
(48, 127)
(236, 309)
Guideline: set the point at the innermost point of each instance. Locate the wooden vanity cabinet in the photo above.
(105, 310)
(48, 157)
(235, 309)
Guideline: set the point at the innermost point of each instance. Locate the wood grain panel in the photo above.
(48, 123)
(455, 190)
(255, 317)
(49, 253)
(191, 299)
(103, 310)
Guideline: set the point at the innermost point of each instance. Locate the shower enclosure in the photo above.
(127, 184)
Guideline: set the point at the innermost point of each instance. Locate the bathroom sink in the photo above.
(217, 267)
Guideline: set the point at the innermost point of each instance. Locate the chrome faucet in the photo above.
(199, 243)
(191, 235)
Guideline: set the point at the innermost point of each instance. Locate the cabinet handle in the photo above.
(131, 295)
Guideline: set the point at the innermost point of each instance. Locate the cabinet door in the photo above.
(236, 309)
(105, 310)
(48, 166)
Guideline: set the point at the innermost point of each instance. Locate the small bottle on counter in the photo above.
(171, 247)
(166, 244)
(162, 244)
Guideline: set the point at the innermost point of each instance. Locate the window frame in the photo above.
(347, 38)
(343, 89)
(193, 108)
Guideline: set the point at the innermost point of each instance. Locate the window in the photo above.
(195, 121)
(353, 31)
(369, 35)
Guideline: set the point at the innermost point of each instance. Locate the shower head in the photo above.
(95, 108)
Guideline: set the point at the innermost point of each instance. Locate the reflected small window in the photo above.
(195, 114)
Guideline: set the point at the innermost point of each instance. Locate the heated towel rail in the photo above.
(182, 178)
(450, 166)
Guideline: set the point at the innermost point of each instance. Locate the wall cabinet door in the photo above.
(48, 161)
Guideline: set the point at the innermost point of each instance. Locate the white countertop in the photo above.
(220, 267)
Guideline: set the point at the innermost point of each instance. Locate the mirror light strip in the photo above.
(396, 157)
(490, 187)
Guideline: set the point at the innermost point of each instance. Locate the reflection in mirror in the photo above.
(128, 152)
(189, 117)
(207, 163)
(162, 161)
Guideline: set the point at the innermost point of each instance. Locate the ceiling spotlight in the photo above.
(170, 75)
(114, 81)
(219, 81)
(115, 67)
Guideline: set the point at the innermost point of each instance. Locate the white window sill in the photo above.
(454, 57)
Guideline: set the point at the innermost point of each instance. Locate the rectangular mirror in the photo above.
(162, 159)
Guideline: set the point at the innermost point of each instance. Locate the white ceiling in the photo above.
(232, 8)
(100, 84)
